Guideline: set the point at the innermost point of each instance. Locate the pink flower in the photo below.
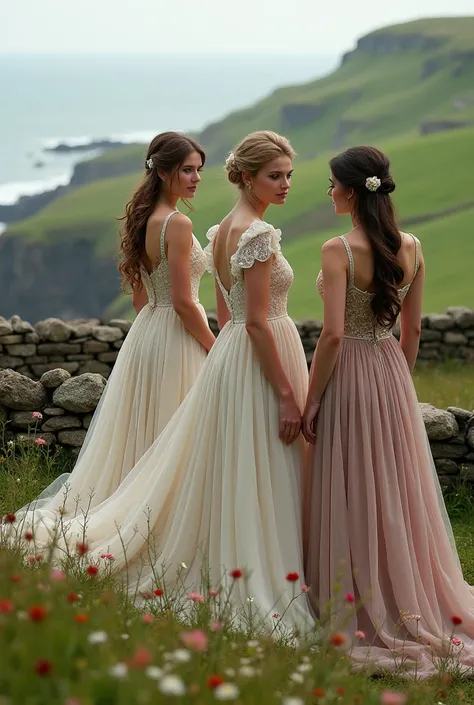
(350, 598)
(216, 626)
(276, 616)
(390, 697)
(31, 559)
(195, 640)
(360, 635)
(110, 556)
(9, 518)
(147, 618)
(455, 641)
(92, 570)
(6, 606)
(37, 415)
(213, 593)
(196, 597)
(57, 575)
(82, 548)
(39, 557)
(305, 588)
(28, 536)
(40, 442)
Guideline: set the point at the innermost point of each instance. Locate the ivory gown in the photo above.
(218, 488)
(155, 369)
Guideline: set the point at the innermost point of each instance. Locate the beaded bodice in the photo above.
(359, 321)
(157, 283)
(259, 242)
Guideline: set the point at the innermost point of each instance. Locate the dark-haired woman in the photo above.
(162, 263)
(375, 527)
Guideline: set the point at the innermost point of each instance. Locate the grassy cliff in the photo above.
(403, 88)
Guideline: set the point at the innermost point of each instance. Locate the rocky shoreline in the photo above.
(84, 172)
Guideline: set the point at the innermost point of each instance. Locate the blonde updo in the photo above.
(253, 152)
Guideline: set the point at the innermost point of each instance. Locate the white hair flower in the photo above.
(373, 183)
(149, 163)
(230, 159)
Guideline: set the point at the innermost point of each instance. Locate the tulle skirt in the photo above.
(375, 525)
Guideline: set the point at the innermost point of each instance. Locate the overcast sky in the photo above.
(204, 26)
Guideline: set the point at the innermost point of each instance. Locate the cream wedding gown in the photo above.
(218, 490)
(155, 369)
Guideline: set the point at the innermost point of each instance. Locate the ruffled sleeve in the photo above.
(208, 250)
(257, 244)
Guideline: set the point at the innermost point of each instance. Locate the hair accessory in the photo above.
(149, 163)
(230, 159)
(372, 183)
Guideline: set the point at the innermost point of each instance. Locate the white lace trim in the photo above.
(208, 250)
(258, 243)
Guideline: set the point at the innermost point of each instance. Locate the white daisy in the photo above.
(172, 685)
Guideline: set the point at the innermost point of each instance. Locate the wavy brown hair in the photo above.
(166, 153)
(376, 215)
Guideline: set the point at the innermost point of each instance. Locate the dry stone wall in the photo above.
(58, 409)
(82, 346)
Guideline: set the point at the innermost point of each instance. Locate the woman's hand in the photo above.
(309, 420)
(290, 420)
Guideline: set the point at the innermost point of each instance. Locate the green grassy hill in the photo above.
(396, 80)
(400, 89)
(432, 201)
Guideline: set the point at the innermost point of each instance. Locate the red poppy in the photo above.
(92, 570)
(81, 618)
(28, 536)
(43, 667)
(456, 620)
(72, 597)
(338, 639)
(82, 548)
(293, 577)
(213, 681)
(158, 592)
(37, 613)
(236, 573)
(319, 692)
(9, 518)
(15, 578)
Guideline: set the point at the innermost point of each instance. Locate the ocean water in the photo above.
(47, 99)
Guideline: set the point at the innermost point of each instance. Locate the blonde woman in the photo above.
(219, 487)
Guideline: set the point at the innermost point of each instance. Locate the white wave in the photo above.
(140, 137)
(11, 192)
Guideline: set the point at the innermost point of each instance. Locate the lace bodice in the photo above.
(359, 321)
(157, 284)
(258, 243)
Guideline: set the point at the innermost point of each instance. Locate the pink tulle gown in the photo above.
(375, 525)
